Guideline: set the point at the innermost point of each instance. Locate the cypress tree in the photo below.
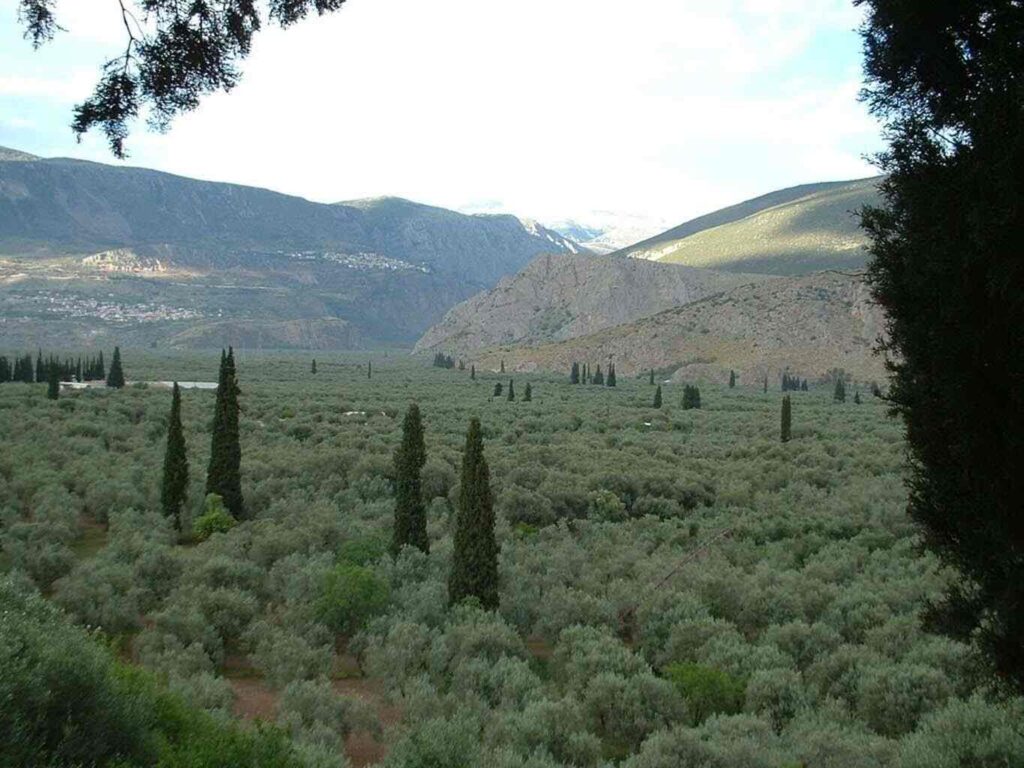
(115, 378)
(40, 368)
(101, 368)
(651, 381)
(610, 381)
(511, 390)
(410, 514)
(472, 372)
(497, 389)
(312, 368)
(839, 393)
(691, 397)
(528, 393)
(856, 397)
(766, 383)
(657, 397)
(599, 377)
(574, 374)
(369, 369)
(503, 366)
(787, 418)
(223, 475)
(52, 383)
(175, 478)
(803, 385)
(475, 552)
(5, 370)
(732, 379)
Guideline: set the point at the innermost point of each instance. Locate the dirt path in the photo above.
(256, 701)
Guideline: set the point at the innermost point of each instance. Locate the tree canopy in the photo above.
(175, 53)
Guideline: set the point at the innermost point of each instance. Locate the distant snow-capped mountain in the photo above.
(607, 231)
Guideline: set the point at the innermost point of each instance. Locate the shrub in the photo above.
(351, 595)
(215, 519)
(707, 691)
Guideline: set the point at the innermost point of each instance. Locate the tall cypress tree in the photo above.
(472, 372)
(224, 473)
(52, 382)
(511, 390)
(410, 514)
(651, 380)
(657, 397)
(787, 418)
(40, 368)
(732, 379)
(312, 368)
(766, 383)
(115, 378)
(369, 369)
(475, 553)
(610, 381)
(839, 393)
(574, 374)
(528, 393)
(101, 368)
(175, 478)
(502, 366)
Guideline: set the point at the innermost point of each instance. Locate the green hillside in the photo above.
(790, 232)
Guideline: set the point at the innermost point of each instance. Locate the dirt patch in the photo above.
(362, 747)
(253, 700)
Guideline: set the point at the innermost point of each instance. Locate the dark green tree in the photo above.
(610, 381)
(115, 378)
(766, 383)
(472, 372)
(475, 550)
(732, 379)
(52, 382)
(224, 473)
(651, 381)
(312, 368)
(369, 369)
(856, 397)
(691, 397)
(174, 486)
(657, 397)
(787, 418)
(574, 374)
(945, 76)
(839, 390)
(528, 393)
(502, 366)
(497, 389)
(598, 377)
(511, 390)
(410, 513)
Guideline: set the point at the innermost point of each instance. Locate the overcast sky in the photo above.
(546, 108)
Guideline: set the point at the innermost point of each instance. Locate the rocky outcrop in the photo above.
(807, 325)
(559, 297)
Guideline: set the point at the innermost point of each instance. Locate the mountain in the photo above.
(791, 231)
(606, 231)
(807, 325)
(561, 296)
(90, 251)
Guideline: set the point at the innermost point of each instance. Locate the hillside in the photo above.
(558, 297)
(792, 231)
(96, 251)
(807, 324)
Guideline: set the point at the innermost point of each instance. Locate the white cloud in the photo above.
(552, 109)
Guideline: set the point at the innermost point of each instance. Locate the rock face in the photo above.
(558, 297)
(386, 268)
(805, 325)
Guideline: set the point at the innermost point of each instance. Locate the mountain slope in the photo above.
(807, 324)
(219, 259)
(558, 297)
(792, 231)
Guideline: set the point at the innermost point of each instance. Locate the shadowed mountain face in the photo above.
(90, 250)
(789, 232)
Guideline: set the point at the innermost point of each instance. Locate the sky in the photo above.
(553, 109)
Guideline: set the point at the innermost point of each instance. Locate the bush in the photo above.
(215, 519)
(707, 691)
(351, 595)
